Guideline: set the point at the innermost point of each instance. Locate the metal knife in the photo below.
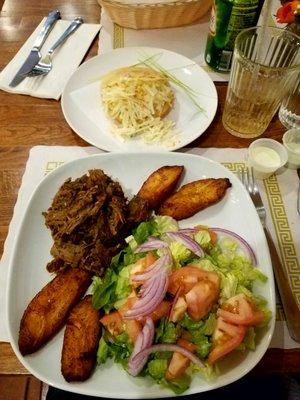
(34, 55)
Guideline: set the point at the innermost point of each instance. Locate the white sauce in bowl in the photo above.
(266, 157)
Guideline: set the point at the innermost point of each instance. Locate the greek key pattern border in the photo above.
(52, 165)
(118, 37)
(283, 233)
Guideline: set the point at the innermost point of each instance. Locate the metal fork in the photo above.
(45, 64)
(290, 306)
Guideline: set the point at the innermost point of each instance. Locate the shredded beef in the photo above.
(89, 219)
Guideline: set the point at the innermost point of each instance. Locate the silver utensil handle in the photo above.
(52, 17)
(75, 24)
(298, 200)
(289, 303)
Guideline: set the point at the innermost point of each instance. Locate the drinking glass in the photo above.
(265, 62)
(289, 112)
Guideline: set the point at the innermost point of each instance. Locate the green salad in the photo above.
(176, 301)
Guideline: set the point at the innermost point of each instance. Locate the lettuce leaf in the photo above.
(167, 332)
(262, 305)
(204, 326)
(205, 263)
(118, 348)
(114, 287)
(180, 253)
(229, 285)
(103, 290)
(209, 372)
(209, 324)
(157, 368)
(123, 287)
(103, 352)
(189, 323)
(144, 230)
(203, 343)
(249, 340)
(165, 223)
(236, 272)
(178, 385)
(200, 332)
(203, 239)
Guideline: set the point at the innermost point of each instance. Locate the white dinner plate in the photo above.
(27, 270)
(83, 110)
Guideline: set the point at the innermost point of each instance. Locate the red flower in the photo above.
(285, 14)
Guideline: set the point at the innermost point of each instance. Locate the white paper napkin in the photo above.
(43, 159)
(65, 61)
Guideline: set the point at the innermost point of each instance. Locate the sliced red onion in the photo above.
(152, 299)
(148, 283)
(140, 359)
(163, 261)
(143, 341)
(188, 242)
(151, 296)
(149, 332)
(138, 346)
(147, 287)
(188, 231)
(144, 291)
(154, 285)
(151, 244)
(148, 275)
(245, 246)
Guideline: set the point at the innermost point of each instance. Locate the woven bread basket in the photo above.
(156, 15)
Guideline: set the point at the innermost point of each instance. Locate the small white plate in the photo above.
(27, 270)
(82, 105)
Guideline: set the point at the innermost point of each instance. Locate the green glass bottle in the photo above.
(228, 18)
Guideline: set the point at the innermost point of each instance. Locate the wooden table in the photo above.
(27, 121)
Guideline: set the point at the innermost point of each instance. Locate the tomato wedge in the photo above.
(178, 309)
(201, 298)
(179, 362)
(131, 299)
(240, 310)
(161, 311)
(226, 338)
(186, 277)
(113, 323)
(133, 329)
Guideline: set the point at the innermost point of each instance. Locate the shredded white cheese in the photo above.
(137, 99)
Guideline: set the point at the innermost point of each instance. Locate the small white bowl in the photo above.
(263, 167)
(292, 136)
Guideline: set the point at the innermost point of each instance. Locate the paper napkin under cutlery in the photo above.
(65, 60)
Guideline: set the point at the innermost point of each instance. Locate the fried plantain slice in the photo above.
(48, 310)
(193, 197)
(160, 184)
(81, 341)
